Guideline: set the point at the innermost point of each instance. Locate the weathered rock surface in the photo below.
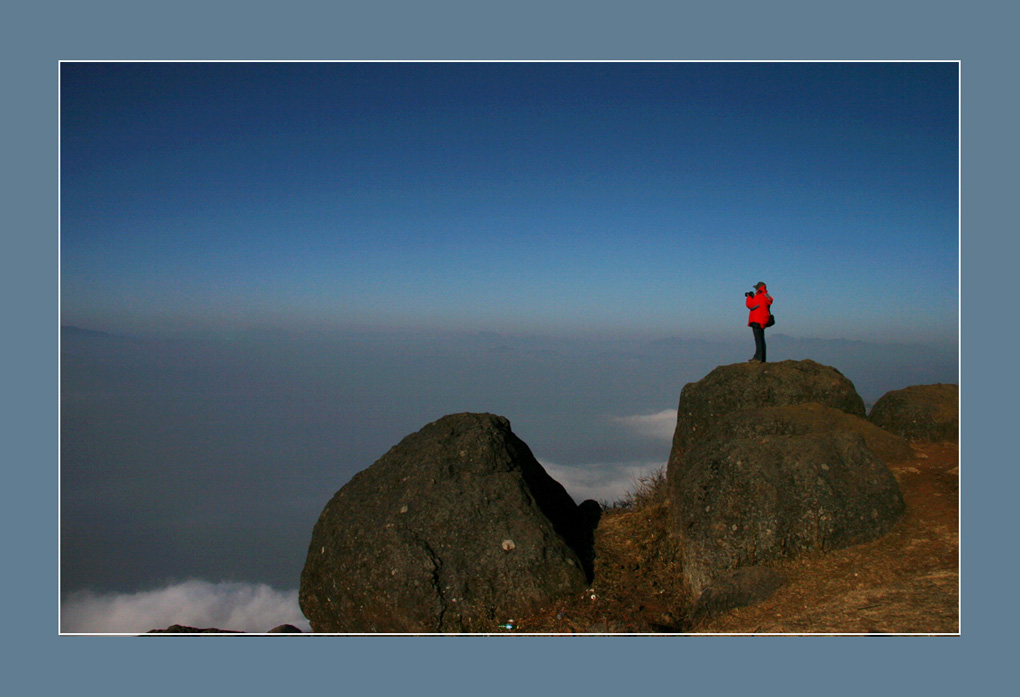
(802, 419)
(741, 386)
(920, 413)
(739, 502)
(771, 461)
(738, 588)
(457, 528)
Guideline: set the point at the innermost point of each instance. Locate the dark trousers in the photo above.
(759, 341)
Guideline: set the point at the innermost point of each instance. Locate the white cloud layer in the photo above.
(612, 481)
(659, 426)
(609, 482)
(243, 607)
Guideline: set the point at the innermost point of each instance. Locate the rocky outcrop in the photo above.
(183, 629)
(285, 629)
(733, 388)
(457, 528)
(802, 419)
(771, 461)
(741, 502)
(920, 413)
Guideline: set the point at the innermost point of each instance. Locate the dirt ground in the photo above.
(906, 582)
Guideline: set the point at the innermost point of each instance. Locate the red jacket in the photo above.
(759, 306)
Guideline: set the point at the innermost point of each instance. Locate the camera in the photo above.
(749, 294)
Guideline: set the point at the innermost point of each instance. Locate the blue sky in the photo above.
(513, 197)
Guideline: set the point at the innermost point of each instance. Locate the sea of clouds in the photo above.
(603, 482)
(242, 607)
(294, 418)
(609, 482)
(257, 608)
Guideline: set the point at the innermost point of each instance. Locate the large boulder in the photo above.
(457, 528)
(802, 419)
(920, 413)
(742, 386)
(737, 502)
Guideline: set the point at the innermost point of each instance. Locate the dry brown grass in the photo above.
(906, 582)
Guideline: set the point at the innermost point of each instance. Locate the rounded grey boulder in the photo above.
(741, 502)
(742, 386)
(802, 419)
(920, 413)
(457, 528)
(770, 461)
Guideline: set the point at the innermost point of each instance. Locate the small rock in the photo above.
(285, 629)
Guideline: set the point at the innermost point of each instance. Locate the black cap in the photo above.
(759, 284)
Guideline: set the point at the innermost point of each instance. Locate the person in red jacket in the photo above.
(758, 303)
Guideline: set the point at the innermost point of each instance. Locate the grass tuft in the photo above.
(649, 491)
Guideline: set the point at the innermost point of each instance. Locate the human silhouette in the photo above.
(759, 303)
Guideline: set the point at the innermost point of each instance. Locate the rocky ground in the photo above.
(906, 582)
